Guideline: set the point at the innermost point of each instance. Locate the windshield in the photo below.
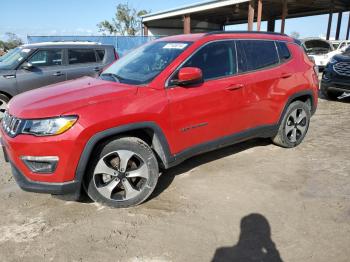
(145, 63)
(336, 45)
(12, 59)
(7, 54)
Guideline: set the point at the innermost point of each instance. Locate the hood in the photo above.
(342, 58)
(58, 99)
(317, 46)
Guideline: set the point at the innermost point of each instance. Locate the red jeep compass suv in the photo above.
(166, 101)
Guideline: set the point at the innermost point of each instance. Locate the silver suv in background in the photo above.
(35, 65)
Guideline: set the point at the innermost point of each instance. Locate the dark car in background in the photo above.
(336, 76)
(36, 65)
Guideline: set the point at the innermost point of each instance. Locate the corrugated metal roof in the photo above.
(195, 7)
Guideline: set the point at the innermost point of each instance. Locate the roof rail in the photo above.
(243, 32)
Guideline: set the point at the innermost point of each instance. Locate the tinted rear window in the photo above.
(256, 54)
(283, 51)
(77, 56)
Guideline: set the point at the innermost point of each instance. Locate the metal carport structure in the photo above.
(215, 14)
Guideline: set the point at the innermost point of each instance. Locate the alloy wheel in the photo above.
(296, 125)
(120, 175)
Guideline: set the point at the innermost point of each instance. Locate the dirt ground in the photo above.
(245, 202)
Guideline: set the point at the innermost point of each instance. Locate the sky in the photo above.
(79, 17)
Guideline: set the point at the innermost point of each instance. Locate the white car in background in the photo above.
(318, 49)
(340, 44)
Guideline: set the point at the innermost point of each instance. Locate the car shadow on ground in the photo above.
(342, 99)
(168, 176)
(254, 243)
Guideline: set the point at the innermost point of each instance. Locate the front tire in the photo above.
(294, 125)
(124, 173)
(4, 99)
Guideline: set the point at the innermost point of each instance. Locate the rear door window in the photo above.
(217, 59)
(256, 54)
(49, 57)
(80, 56)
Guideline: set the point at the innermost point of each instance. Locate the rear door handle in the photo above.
(234, 87)
(59, 73)
(97, 69)
(286, 75)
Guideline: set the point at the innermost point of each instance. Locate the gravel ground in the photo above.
(249, 202)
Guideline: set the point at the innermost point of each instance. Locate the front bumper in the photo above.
(66, 188)
(335, 86)
(60, 182)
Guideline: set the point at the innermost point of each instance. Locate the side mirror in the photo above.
(27, 66)
(343, 49)
(189, 76)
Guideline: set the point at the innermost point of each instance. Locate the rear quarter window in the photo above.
(100, 54)
(78, 56)
(283, 51)
(256, 54)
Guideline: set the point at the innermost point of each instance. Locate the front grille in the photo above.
(342, 68)
(11, 124)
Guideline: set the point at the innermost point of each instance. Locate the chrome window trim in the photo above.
(167, 84)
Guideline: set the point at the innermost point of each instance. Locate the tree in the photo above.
(295, 34)
(127, 21)
(12, 41)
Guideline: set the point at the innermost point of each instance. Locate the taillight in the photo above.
(116, 55)
(315, 67)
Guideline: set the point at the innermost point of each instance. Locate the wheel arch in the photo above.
(306, 96)
(6, 94)
(149, 132)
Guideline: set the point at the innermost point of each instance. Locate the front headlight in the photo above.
(49, 126)
(333, 60)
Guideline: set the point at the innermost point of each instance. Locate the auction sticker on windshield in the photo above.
(175, 46)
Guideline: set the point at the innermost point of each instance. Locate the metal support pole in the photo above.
(271, 25)
(348, 29)
(340, 15)
(145, 30)
(329, 25)
(259, 15)
(187, 24)
(284, 15)
(251, 15)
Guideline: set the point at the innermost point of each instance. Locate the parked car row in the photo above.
(36, 65)
(322, 51)
(333, 58)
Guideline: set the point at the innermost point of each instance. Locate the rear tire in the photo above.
(124, 172)
(294, 125)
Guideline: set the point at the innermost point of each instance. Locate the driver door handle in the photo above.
(234, 87)
(58, 73)
(286, 75)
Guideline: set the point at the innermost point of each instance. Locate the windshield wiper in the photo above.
(114, 76)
